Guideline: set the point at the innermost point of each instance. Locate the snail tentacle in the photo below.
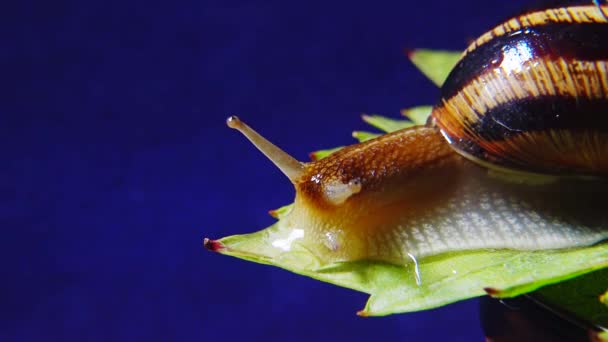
(291, 167)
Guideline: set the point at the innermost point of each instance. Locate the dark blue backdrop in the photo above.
(116, 161)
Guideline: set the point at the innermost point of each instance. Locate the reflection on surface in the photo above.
(515, 56)
(285, 243)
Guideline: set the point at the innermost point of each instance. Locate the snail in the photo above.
(514, 155)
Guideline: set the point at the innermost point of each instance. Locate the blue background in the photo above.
(116, 161)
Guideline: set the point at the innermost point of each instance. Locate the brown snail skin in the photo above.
(515, 155)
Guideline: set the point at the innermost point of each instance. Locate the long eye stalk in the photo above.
(291, 167)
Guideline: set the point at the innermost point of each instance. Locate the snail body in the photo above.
(515, 155)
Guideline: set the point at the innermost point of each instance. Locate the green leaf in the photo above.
(387, 125)
(434, 64)
(443, 278)
(418, 115)
(317, 155)
(364, 136)
(382, 123)
(281, 212)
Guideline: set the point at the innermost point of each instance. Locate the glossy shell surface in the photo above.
(532, 93)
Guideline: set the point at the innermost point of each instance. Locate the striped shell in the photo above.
(532, 93)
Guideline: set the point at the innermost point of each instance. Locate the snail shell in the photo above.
(516, 156)
(532, 93)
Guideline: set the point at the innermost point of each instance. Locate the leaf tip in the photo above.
(492, 292)
(598, 336)
(604, 298)
(313, 156)
(213, 245)
(362, 313)
(409, 53)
